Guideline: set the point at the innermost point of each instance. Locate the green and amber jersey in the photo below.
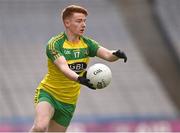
(77, 56)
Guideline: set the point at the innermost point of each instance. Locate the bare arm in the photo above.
(106, 54)
(61, 63)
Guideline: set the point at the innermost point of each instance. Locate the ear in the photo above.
(66, 22)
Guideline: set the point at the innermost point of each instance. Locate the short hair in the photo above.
(69, 10)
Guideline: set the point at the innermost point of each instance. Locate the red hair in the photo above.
(68, 11)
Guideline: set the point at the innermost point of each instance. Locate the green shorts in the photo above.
(63, 111)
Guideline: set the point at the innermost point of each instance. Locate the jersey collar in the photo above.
(64, 33)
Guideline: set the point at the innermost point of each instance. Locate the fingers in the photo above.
(125, 58)
(90, 85)
(120, 54)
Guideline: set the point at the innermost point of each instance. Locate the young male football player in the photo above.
(68, 55)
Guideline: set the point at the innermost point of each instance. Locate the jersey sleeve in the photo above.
(52, 51)
(93, 46)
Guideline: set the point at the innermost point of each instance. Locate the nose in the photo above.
(83, 24)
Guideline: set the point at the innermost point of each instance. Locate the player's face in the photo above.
(76, 24)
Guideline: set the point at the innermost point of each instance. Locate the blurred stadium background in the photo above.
(144, 94)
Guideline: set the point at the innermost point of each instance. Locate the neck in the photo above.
(72, 37)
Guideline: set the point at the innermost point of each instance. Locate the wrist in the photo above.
(78, 79)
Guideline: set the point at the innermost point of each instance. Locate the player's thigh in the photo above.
(55, 127)
(43, 113)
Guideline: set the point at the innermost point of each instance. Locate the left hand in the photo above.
(120, 54)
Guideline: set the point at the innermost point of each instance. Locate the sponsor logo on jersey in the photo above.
(78, 67)
(67, 52)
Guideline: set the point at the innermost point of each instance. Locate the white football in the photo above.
(99, 75)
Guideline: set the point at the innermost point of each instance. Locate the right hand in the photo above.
(84, 81)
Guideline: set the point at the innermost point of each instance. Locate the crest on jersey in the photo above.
(86, 52)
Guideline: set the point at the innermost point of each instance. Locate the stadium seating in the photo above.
(168, 13)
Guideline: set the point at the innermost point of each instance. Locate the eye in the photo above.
(79, 20)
